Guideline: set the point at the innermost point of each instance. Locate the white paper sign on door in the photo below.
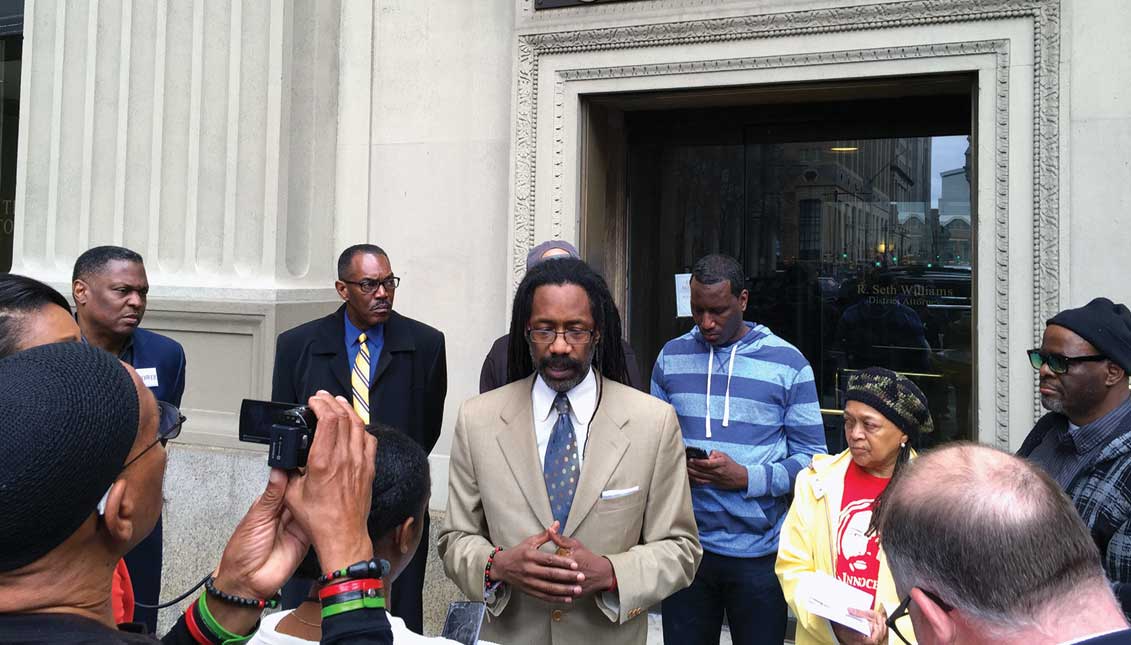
(683, 295)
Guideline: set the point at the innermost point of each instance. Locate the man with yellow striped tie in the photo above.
(392, 368)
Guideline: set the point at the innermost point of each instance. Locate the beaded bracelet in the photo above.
(487, 569)
(268, 603)
(363, 569)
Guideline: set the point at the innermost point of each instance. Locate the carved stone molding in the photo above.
(1045, 17)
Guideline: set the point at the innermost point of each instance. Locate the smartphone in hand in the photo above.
(695, 453)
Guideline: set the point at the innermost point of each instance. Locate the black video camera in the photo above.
(287, 428)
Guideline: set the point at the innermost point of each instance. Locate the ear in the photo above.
(118, 516)
(743, 298)
(1115, 374)
(79, 290)
(405, 535)
(342, 289)
(936, 621)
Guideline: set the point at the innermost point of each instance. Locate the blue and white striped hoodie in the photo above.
(755, 400)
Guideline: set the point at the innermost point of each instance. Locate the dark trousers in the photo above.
(746, 590)
(406, 601)
(144, 563)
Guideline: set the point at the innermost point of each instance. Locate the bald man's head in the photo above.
(987, 533)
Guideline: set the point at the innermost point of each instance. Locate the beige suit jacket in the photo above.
(497, 497)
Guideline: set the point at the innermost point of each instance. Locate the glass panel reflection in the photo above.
(858, 251)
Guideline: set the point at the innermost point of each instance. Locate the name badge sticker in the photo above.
(148, 376)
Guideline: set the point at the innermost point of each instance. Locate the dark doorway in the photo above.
(849, 205)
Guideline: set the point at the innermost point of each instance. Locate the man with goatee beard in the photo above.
(1084, 441)
(391, 367)
(569, 511)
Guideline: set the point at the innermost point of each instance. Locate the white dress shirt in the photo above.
(582, 406)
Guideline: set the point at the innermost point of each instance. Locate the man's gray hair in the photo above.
(987, 533)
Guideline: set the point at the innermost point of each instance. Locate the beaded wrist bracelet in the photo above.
(268, 603)
(363, 569)
(487, 569)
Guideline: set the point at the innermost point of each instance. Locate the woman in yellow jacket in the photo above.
(828, 528)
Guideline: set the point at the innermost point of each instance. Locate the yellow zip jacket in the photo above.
(807, 547)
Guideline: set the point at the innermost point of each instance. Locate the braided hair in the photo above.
(608, 358)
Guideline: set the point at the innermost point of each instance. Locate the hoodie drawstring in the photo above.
(730, 373)
(726, 400)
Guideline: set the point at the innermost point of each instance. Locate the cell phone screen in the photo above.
(463, 622)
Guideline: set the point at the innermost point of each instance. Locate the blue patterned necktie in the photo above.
(560, 469)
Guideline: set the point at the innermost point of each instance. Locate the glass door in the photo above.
(853, 220)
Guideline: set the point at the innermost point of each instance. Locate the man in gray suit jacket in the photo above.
(569, 510)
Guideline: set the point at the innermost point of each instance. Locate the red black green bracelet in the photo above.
(351, 595)
(205, 630)
(487, 569)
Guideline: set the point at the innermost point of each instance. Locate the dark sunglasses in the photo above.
(1058, 363)
(169, 425)
(904, 608)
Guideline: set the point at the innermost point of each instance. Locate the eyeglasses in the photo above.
(168, 428)
(904, 608)
(369, 286)
(548, 336)
(169, 424)
(1058, 363)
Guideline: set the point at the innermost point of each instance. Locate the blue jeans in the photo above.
(746, 590)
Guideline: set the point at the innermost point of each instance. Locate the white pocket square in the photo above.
(614, 493)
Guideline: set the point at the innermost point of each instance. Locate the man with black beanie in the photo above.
(1084, 442)
(82, 460)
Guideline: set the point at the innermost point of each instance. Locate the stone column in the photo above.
(203, 134)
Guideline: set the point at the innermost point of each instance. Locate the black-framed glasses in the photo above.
(548, 336)
(1058, 363)
(904, 608)
(169, 425)
(369, 286)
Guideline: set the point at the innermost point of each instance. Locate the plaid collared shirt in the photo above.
(1101, 492)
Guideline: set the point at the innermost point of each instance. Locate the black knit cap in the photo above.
(1104, 324)
(68, 418)
(895, 397)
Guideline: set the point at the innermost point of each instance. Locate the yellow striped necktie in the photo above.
(359, 379)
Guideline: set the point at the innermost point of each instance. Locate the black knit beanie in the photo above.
(68, 418)
(1104, 324)
(895, 397)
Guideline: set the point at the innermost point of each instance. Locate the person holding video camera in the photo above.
(401, 490)
(82, 459)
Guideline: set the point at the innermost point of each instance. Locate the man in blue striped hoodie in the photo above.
(747, 399)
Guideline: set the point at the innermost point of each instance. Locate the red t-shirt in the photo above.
(858, 554)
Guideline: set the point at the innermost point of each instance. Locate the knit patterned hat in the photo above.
(894, 396)
(70, 417)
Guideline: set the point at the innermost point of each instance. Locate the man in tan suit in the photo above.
(569, 510)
